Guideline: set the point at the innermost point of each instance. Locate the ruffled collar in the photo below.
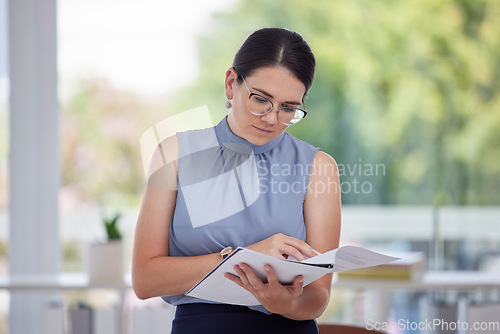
(234, 143)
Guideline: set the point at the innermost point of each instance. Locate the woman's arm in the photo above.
(154, 272)
(322, 219)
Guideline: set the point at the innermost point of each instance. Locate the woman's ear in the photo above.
(231, 79)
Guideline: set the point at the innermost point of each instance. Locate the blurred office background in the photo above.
(406, 99)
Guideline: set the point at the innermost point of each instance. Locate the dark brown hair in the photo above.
(276, 47)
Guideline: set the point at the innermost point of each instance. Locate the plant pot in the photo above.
(105, 262)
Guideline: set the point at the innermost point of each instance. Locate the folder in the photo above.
(215, 287)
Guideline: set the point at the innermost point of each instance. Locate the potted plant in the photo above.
(106, 258)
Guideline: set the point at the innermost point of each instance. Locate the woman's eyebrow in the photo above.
(272, 97)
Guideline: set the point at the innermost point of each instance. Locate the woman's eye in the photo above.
(289, 109)
(260, 100)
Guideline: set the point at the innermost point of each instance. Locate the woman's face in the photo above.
(277, 84)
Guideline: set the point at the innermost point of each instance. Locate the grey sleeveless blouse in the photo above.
(235, 193)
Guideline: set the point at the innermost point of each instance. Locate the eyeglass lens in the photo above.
(261, 106)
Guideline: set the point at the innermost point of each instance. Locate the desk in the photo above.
(431, 281)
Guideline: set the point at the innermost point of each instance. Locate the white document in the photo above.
(215, 287)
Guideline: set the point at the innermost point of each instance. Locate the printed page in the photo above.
(351, 257)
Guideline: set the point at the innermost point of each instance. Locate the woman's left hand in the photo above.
(274, 296)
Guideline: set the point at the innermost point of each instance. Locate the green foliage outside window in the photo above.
(409, 86)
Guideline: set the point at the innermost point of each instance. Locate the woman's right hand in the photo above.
(283, 246)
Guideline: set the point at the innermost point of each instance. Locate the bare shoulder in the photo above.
(324, 165)
(322, 204)
(162, 169)
(158, 203)
(169, 148)
(324, 183)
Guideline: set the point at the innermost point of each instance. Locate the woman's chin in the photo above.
(258, 140)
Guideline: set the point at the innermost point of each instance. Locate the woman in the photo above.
(208, 203)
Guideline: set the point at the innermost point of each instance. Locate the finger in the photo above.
(234, 278)
(272, 279)
(298, 285)
(245, 283)
(292, 251)
(301, 246)
(242, 276)
(251, 276)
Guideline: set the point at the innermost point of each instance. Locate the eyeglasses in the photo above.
(259, 105)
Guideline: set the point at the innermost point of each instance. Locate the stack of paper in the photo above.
(215, 287)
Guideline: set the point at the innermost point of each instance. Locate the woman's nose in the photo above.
(272, 116)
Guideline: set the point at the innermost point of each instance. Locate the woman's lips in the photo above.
(262, 131)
